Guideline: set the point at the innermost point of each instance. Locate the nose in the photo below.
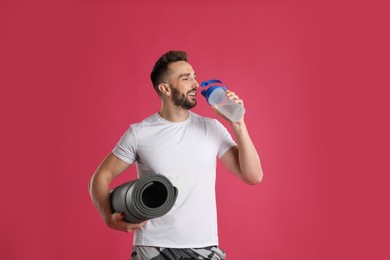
(195, 85)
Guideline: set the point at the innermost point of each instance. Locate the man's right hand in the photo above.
(117, 221)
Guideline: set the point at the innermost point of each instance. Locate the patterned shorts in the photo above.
(159, 253)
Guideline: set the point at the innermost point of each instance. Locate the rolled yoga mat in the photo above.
(145, 198)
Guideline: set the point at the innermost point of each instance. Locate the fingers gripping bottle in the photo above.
(215, 95)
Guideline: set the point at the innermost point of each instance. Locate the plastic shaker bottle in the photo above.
(215, 95)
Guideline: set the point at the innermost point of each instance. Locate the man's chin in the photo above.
(189, 106)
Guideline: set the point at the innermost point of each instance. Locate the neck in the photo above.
(174, 114)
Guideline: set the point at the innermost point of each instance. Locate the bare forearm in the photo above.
(100, 192)
(248, 157)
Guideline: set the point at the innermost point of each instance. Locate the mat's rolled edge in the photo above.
(122, 199)
(116, 195)
(138, 207)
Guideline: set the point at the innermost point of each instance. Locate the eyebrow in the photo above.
(186, 75)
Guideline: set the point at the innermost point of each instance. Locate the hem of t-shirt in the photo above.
(163, 245)
(123, 158)
(225, 149)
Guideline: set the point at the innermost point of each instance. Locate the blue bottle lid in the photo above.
(213, 84)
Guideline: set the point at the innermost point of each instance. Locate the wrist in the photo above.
(239, 125)
(107, 216)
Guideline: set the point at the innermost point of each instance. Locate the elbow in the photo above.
(255, 179)
(91, 183)
(90, 186)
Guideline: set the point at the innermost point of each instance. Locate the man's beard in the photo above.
(181, 100)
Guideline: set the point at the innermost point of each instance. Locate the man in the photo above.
(183, 146)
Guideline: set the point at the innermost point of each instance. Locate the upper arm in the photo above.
(111, 167)
(231, 162)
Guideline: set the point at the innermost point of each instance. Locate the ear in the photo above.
(164, 89)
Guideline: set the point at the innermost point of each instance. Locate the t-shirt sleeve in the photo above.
(125, 149)
(226, 140)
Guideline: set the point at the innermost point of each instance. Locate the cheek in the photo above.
(182, 90)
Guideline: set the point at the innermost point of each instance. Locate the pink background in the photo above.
(314, 77)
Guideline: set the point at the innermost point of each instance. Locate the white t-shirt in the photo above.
(186, 153)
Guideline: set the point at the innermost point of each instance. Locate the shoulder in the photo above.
(134, 129)
(148, 121)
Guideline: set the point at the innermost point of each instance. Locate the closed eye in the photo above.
(187, 76)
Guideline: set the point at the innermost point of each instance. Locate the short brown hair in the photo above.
(160, 69)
